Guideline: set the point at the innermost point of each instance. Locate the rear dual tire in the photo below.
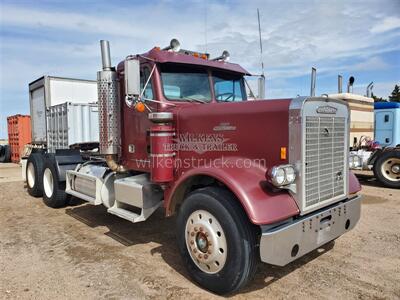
(34, 171)
(217, 242)
(53, 189)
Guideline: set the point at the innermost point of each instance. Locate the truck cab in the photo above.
(178, 80)
(247, 180)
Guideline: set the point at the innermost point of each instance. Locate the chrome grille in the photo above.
(324, 159)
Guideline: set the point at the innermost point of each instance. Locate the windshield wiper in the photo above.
(191, 99)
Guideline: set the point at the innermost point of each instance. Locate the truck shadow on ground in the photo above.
(161, 230)
(369, 180)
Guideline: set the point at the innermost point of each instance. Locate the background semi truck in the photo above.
(374, 137)
(176, 131)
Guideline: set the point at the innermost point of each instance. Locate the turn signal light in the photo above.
(283, 153)
(140, 107)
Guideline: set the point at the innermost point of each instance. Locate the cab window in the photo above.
(144, 75)
(228, 87)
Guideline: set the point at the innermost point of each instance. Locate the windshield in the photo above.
(188, 83)
(185, 83)
(228, 87)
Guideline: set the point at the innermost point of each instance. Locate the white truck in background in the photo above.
(366, 153)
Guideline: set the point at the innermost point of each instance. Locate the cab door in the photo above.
(135, 144)
(384, 127)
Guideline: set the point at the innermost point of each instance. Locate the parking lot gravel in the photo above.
(82, 252)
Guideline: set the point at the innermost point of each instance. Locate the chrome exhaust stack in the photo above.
(340, 84)
(370, 86)
(109, 110)
(105, 55)
(313, 80)
(261, 87)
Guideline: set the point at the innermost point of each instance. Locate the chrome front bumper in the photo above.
(288, 242)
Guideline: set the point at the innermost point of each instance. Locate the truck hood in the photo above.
(250, 131)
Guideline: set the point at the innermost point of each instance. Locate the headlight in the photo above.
(281, 175)
(290, 174)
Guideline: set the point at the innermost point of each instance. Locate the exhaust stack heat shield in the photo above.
(109, 107)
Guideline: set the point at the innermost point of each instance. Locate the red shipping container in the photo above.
(19, 134)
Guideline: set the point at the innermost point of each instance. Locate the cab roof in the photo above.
(164, 56)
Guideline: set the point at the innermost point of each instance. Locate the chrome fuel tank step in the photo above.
(136, 192)
(133, 198)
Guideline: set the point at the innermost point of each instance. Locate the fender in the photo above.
(65, 159)
(354, 184)
(249, 186)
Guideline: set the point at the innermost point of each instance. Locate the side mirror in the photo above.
(132, 77)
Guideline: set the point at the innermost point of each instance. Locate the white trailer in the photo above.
(63, 113)
(48, 91)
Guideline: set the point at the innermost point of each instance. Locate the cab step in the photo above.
(134, 194)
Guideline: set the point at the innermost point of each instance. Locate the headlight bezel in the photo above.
(275, 171)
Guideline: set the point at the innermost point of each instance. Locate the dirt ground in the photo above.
(81, 252)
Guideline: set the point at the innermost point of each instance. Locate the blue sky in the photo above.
(60, 38)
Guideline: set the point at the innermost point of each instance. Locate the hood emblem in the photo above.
(224, 127)
(326, 110)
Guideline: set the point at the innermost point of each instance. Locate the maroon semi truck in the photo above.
(247, 180)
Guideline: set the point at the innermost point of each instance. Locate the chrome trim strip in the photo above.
(161, 116)
(162, 134)
(162, 155)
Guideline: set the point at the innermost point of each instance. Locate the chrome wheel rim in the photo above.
(391, 169)
(206, 241)
(30, 175)
(48, 183)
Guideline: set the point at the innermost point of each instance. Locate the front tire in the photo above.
(216, 240)
(53, 189)
(387, 168)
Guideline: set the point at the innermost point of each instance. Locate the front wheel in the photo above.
(387, 168)
(216, 240)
